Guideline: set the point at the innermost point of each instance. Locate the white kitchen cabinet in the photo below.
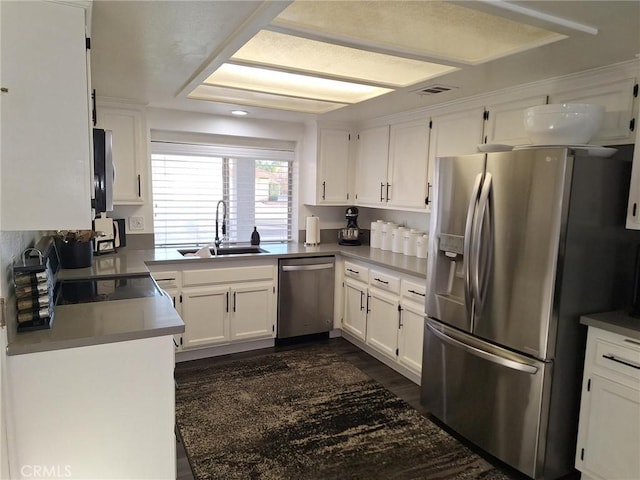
(504, 121)
(170, 282)
(383, 314)
(456, 133)
(204, 312)
(327, 177)
(355, 308)
(609, 427)
(220, 306)
(46, 169)
(250, 314)
(129, 145)
(633, 207)
(383, 322)
(100, 411)
(617, 96)
(408, 165)
(371, 166)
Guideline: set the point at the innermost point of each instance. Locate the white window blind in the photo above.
(190, 180)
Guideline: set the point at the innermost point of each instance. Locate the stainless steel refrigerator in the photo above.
(523, 242)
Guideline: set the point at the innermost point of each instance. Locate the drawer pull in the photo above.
(632, 342)
(417, 293)
(628, 363)
(381, 281)
(353, 271)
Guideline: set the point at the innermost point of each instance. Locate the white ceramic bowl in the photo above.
(563, 123)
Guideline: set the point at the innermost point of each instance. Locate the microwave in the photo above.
(103, 171)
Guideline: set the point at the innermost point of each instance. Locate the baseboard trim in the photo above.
(188, 355)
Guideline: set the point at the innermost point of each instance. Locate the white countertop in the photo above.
(97, 323)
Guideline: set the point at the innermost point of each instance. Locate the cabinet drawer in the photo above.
(618, 358)
(413, 291)
(167, 279)
(227, 275)
(356, 271)
(384, 281)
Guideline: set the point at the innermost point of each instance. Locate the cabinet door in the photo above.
(129, 148)
(454, 134)
(633, 207)
(355, 308)
(408, 164)
(382, 322)
(371, 166)
(204, 312)
(410, 337)
(333, 158)
(617, 99)
(609, 431)
(505, 121)
(46, 182)
(251, 313)
(175, 298)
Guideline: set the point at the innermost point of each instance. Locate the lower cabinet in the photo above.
(609, 427)
(220, 306)
(385, 311)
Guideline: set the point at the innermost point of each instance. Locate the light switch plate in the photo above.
(136, 223)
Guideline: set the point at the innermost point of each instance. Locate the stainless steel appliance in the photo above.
(351, 234)
(89, 290)
(523, 242)
(305, 296)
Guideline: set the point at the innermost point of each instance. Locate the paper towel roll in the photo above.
(312, 231)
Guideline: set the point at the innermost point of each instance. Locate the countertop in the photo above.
(619, 322)
(87, 324)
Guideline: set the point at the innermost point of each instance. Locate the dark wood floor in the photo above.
(389, 378)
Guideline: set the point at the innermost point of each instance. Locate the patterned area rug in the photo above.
(308, 414)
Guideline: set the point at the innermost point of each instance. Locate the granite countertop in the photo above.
(619, 322)
(86, 324)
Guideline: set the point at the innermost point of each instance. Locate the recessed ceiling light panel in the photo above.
(264, 100)
(291, 84)
(320, 58)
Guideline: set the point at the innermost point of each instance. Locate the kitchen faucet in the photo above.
(217, 240)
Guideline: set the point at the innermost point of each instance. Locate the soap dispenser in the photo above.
(255, 237)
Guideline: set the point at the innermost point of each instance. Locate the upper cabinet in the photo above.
(129, 143)
(408, 164)
(371, 166)
(329, 179)
(46, 157)
(617, 96)
(391, 165)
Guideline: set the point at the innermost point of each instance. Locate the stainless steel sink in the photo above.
(224, 251)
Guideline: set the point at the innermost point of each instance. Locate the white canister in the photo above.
(397, 239)
(386, 241)
(422, 245)
(376, 234)
(410, 240)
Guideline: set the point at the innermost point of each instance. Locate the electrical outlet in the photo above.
(136, 223)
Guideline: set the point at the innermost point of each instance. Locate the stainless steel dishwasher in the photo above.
(305, 296)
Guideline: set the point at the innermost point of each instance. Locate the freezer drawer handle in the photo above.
(299, 268)
(626, 362)
(505, 362)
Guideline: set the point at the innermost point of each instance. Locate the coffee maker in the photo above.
(351, 234)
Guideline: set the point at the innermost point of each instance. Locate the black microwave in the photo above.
(103, 171)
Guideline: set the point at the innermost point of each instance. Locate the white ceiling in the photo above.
(152, 51)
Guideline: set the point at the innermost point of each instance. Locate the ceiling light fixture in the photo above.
(239, 113)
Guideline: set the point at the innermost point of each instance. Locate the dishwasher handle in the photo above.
(298, 268)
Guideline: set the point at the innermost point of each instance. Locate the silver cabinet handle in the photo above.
(324, 190)
(622, 361)
(302, 268)
(361, 305)
(491, 357)
(381, 188)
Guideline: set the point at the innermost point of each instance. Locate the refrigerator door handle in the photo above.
(491, 357)
(468, 241)
(480, 273)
